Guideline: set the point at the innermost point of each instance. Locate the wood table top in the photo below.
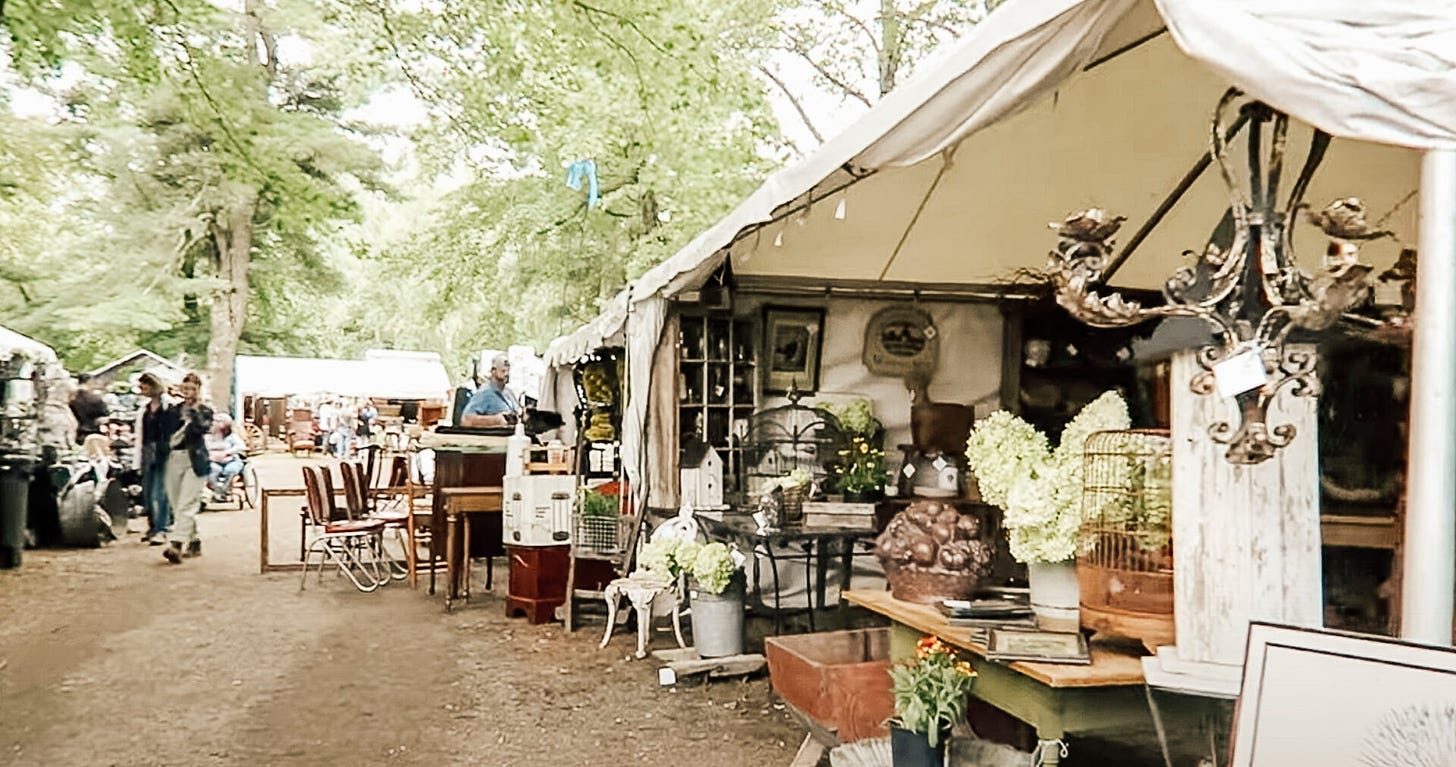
(1109, 667)
(472, 498)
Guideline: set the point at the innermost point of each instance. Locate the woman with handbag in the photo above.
(188, 468)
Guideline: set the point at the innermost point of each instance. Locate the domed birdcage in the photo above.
(1125, 547)
(785, 439)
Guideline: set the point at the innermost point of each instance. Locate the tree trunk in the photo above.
(230, 302)
(889, 45)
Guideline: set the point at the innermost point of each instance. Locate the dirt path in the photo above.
(111, 657)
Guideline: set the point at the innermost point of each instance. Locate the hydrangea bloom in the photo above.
(1039, 489)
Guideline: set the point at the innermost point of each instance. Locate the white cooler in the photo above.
(538, 509)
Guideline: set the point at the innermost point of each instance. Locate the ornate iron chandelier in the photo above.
(1251, 294)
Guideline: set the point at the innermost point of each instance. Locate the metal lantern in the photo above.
(1125, 546)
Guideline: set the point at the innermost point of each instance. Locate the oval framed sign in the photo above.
(901, 340)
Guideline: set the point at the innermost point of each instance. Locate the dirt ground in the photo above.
(112, 657)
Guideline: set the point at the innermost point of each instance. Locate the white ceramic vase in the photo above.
(1055, 595)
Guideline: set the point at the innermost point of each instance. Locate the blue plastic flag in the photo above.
(584, 169)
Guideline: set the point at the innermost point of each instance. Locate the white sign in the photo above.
(1240, 373)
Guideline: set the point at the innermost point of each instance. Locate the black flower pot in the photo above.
(874, 495)
(913, 749)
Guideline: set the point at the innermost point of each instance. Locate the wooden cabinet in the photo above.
(717, 385)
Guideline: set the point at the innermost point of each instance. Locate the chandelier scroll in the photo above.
(1251, 294)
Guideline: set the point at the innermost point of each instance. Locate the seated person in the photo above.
(225, 449)
(493, 404)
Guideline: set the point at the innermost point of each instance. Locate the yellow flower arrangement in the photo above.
(930, 691)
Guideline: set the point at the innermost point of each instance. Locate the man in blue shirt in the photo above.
(493, 404)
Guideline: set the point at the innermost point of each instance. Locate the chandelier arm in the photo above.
(1277, 145)
(1317, 146)
(1239, 204)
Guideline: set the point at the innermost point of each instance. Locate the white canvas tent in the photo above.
(1051, 106)
(385, 375)
(12, 342)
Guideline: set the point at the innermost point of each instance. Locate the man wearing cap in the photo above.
(493, 404)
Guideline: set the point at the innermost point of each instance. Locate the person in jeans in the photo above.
(157, 422)
(187, 470)
(225, 451)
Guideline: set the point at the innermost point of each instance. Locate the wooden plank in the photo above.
(1359, 532)
(1246, 538)
(1109, 668)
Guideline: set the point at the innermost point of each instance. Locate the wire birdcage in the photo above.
(1125, 545)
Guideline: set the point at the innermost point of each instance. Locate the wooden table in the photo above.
(460, 504)
(1056, 699)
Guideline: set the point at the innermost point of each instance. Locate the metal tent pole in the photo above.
(1429, 558)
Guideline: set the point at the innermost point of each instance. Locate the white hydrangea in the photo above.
(1039, 489)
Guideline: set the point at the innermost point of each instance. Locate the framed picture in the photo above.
(1037, 646)
(1312, 696)
(792, 340)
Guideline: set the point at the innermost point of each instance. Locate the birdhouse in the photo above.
(700, 475)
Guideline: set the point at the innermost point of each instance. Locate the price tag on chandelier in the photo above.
(1241, 372)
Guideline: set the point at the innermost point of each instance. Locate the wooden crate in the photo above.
(851, 516)
(840, 679)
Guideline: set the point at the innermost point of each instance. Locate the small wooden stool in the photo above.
(642, 590)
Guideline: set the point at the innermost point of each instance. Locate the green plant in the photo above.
(856, 417)
(1040, 489)
(596, 504)
(713, 567)
(861, 467)
(796, 478)
(930, 691)
(669, 556)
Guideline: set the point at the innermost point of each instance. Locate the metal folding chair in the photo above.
(354, 545)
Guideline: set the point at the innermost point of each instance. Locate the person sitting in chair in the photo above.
(225, 450)
(493, 404)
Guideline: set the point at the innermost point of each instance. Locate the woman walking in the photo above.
(187, 470)
(154, 427)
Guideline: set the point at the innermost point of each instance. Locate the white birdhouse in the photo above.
(700, 476)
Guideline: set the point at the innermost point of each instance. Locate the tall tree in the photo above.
(215, 152)
(856, 51)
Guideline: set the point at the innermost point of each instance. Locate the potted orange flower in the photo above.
(930, 697)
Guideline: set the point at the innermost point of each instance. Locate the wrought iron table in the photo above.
(819, 545)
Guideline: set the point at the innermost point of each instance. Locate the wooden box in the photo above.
(841, 679)
(850, 516)
(537, 582)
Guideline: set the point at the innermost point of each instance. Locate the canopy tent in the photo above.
(12, 342)
(413, 375)
(1051, 106)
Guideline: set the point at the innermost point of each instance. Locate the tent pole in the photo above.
(1429, 547)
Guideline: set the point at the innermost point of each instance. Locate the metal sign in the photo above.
(900, 341)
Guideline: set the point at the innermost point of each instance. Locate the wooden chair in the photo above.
(360, 505)
(300, 432)
(419, 506)
(344, 543)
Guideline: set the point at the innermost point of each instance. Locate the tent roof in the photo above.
(155, 360)
(403, 376)
(11, 342)
(1074, 103)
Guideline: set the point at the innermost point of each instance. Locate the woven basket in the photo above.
(791, 508)
(929, 585)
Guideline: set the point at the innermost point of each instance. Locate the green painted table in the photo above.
(1056, 699)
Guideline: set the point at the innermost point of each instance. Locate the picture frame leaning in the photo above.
(793, 341)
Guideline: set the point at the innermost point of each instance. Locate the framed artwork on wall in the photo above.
(793, 338)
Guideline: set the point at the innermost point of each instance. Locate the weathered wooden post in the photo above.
(1246, 538)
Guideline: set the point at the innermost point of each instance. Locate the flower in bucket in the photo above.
(1039, 488)
(669, 556)
(713, 567)
(930, 691)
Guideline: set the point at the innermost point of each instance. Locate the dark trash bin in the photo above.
(14, 501)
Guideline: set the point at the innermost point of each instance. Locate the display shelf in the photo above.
(715, 382)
